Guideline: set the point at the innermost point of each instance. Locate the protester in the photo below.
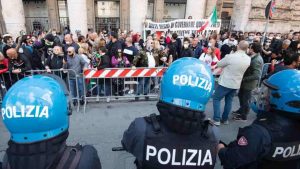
(114, 45)
(249, 82)
(78, 65)
(197, 48)
(186, 51)
(31, 53)
(130, 51)
(209, 57)
(234, 67)
(8, 43)
(145, 59)
(18, 64)
(69, 42)
(212, 43)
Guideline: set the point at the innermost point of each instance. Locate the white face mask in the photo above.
(209, 44)
(68, 43)
(186, 46)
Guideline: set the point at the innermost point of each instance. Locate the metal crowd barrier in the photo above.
(68, 75)
(122, 84)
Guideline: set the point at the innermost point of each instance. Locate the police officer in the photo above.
(36, 113)
(273, 140)
(179, 137)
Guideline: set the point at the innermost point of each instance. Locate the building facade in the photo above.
(81, 15)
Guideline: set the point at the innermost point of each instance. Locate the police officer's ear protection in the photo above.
(65, 89)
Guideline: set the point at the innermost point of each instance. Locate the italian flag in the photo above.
(212, 20)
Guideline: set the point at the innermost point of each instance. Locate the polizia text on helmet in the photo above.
(24, 111)
(184, 80)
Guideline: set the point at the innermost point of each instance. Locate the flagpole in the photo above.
(267, 25)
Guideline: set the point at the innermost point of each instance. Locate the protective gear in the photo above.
(193, 82)
(281, 131)
(36, 108)
(282, 93)
(192, 153)
(285, 89)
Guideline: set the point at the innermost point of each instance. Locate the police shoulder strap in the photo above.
(66, 155)
(153, 119)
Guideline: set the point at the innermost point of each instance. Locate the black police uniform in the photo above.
(156, 146)
(271, 142)
(50, 154)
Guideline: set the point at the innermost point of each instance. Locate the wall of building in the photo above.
(108, 9)
(285, 18)
(174, 10)
(35, 9)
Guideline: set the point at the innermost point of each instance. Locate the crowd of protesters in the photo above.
(52, 50)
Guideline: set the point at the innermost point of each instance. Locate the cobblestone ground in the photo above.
(103, 125)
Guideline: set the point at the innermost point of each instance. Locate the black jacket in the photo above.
(48, 154)
(104, 63)
(187, 53)
(22, 62)
(112, 48)
(35, 59)
(55, 61)
(255, 144)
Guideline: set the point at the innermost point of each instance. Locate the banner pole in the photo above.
(267, 25)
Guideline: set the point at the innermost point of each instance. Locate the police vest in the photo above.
(168, 150)
(285, 147)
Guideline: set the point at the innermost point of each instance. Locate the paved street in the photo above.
(103, 126)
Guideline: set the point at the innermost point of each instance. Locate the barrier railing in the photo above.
(68, 75)
(122, 83)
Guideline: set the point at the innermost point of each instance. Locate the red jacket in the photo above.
(217, 52)
(3, 66)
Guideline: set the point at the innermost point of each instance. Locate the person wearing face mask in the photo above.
(31, 53)
(250, 38)
(69, 42)
(186, 51)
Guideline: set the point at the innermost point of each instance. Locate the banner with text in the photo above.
(183, 27)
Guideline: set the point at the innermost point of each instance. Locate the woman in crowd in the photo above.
(209, 57)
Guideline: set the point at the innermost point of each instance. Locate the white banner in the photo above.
(183, 27)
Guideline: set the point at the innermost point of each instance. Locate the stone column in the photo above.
(78, 16)
(158, 10)
(125, 14)
(13, 16)
(210, 6)
(53, 14)
(240, 15)
(138, 12)
(196, 9)
(2, 24)
(91, 14)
